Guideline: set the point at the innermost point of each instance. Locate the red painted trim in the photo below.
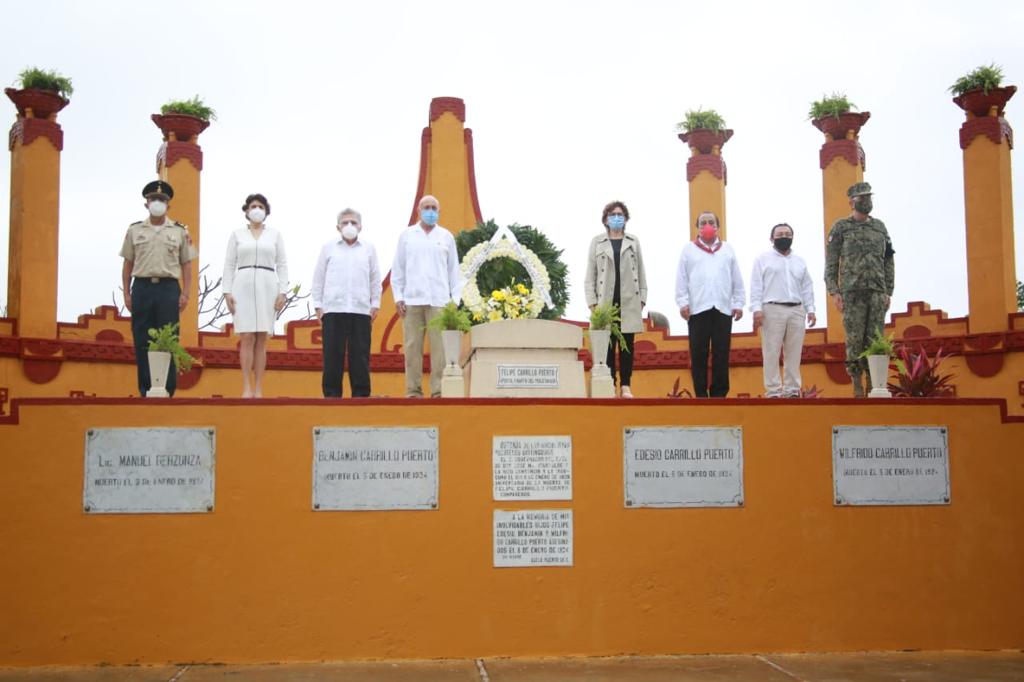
(467, 136)
(985, 365)
(101, 315)
(711, 163)
(453, 105)
(26, 130)
(41, 371)
(850, 150)
(686, 405)
(995, 129)
(172, 152)
(421, 183)
(397, 348)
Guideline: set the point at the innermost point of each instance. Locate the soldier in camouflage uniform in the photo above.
(859, 276)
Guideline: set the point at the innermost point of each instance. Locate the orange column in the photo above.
(706, 175)
(842, 164)
(986, 140)
(36, 141)
(180, 162)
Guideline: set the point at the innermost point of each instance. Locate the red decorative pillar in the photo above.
(706, 175)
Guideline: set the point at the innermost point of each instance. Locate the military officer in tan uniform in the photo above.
(157, 254)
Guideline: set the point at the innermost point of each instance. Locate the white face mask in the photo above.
(350, 232)
(157, 209)
(257, 215)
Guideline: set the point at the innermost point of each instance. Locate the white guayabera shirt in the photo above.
(709, 280)
(426, 267)
(347, 278)
(780, 279)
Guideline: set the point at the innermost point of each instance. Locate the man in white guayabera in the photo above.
(424, 277)
(346, 296)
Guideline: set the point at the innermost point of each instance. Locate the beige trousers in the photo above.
(414, 325)
(783, 330)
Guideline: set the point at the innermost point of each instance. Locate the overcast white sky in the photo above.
(572, 104)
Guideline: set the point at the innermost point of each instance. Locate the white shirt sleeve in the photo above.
(807, 291)
(319, 275)
(682, 282)
(454, 272)
(375, 279)
(230, 263)
(398, 271)
(757, 286)
(739, 296)
(282, 265)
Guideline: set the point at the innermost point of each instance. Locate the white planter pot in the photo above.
(159, 366)
(599, 339)
(452, 340)
(878, 368)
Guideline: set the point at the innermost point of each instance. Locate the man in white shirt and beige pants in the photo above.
(709, 293)
(782, 300)
(425, 276)
(346, 295)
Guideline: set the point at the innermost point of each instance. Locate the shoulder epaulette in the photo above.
(137, 223)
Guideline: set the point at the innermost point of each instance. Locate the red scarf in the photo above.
(704, 247)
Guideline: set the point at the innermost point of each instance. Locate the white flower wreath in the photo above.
(502, 246)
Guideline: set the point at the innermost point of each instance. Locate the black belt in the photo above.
(788, 305)
(156, 280)
(261, 267)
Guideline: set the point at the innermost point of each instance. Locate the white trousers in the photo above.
(783, 330)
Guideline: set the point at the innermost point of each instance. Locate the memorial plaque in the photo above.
(527, 376)
(890, 465)
(149, 471)
(700, 466)
(374, 468)
(532, 537)
(532, 467)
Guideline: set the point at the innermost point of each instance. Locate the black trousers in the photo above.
(710, 328)
(625, 359)
(154, 304)
(346, 333)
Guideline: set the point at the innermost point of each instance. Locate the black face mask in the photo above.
(782, 244)
(863, 205)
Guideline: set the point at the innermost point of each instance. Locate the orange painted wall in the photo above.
(264, 578)
(707, 193)
(184, 207)
(836, 178)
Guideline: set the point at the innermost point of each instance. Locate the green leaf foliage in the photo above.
(606, 317)
(918, 376)
(166, 339)
(452, 318)
(880, 344)
(983, 78)
(190, 107)
(497, 273)
(710, 119)
(52, 81)
(831, 105)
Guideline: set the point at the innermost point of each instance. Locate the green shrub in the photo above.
(606, 317)
(710, 119)
(52, 81)
(983, 77)
(166, 339)
(190, 107)
(832, 105)
(452, 318)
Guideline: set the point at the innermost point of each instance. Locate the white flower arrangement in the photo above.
(493, 308)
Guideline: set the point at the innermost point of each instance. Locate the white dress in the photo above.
(255, 272)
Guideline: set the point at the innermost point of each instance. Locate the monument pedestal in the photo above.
(526, 359)
(601, 385)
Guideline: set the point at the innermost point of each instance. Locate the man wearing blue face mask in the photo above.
(424, 277)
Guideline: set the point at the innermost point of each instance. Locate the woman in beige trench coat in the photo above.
(615, 274)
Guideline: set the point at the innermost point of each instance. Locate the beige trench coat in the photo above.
(599, 285)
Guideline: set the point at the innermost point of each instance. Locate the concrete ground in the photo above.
(996, 666)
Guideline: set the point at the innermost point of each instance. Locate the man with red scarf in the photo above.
(710, 295)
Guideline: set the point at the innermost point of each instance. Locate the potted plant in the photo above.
(452, 322)
(704, 130)
(604, 324)
(42, 93)
(184, 119)
(879, 353)
(978, 91)
(833, 115)
(918, 375)
(164, 347)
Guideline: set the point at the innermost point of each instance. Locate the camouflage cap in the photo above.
(858, 189)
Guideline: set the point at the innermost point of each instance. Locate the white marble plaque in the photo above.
(532, 467)
(374, 468)
(890, 465)
(699, 466)
(532, 537)
(149, 471)
(527, 376)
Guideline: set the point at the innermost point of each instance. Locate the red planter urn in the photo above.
(980, 104)
(182, 126)
(704, 139)
(840, 126)
(35, 103)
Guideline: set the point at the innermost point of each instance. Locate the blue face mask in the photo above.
(429, 217)
(617, 222)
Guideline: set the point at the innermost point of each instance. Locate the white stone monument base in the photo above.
(601, 386)
(453, 385)
(526, 359)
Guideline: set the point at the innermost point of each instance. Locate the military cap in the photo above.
(158, 187)
(858, 189)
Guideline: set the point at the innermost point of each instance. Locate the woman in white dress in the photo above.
(255, 283)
